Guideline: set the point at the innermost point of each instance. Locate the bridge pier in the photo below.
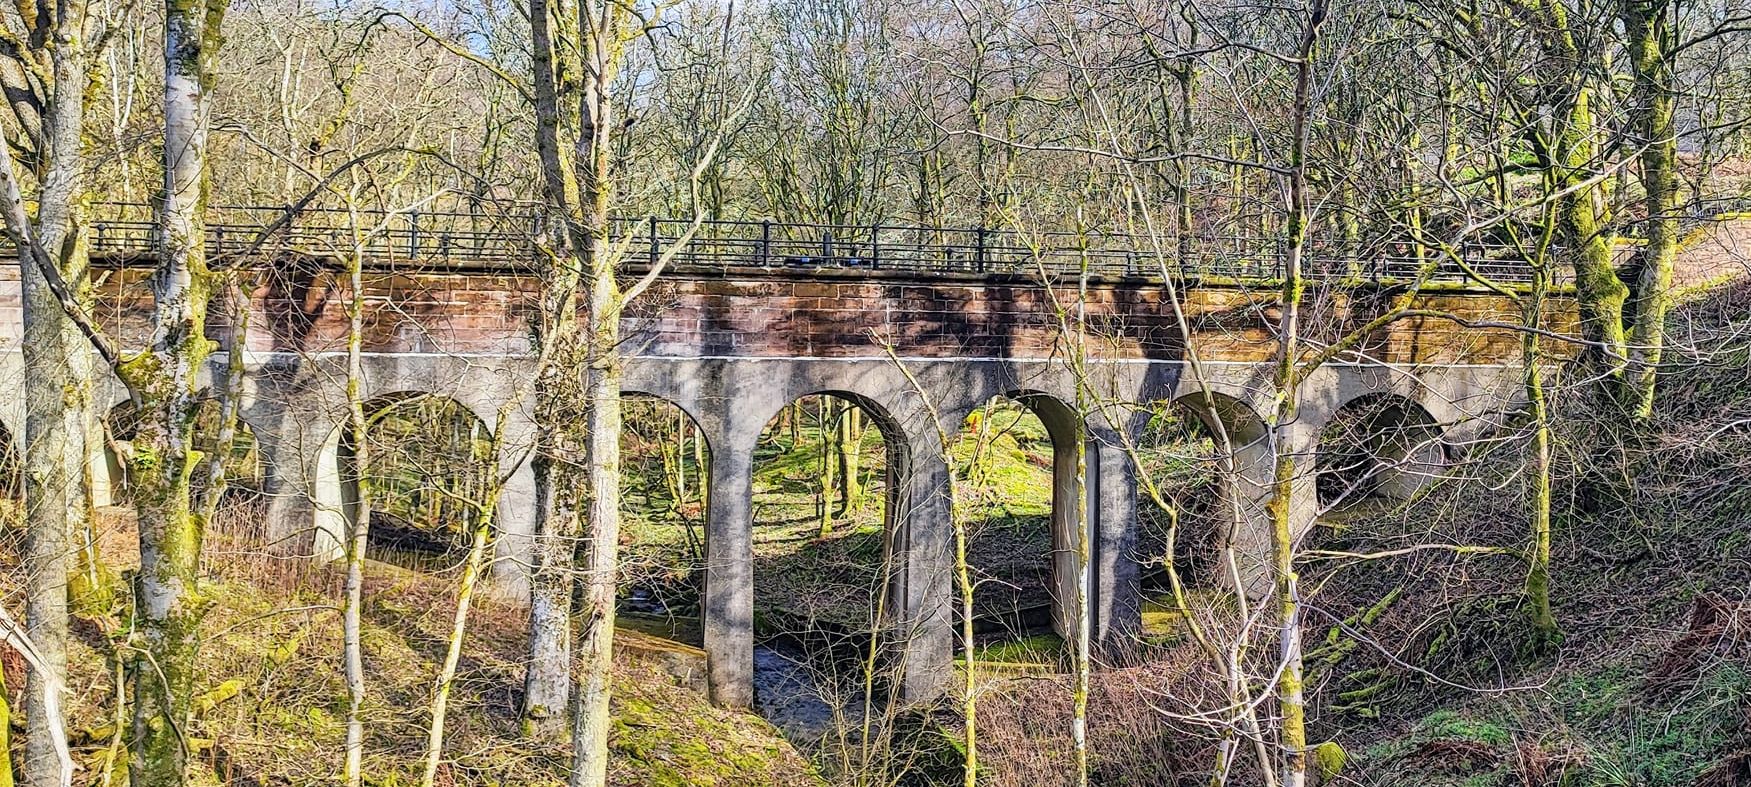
(728, 608)
(922, 603)
(1117, 594)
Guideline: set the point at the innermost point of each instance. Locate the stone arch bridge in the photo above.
(901, 321)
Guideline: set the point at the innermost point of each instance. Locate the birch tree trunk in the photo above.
(558, 452)
(1290, 698)
(163, 382)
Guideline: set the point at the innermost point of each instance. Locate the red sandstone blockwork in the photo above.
(301, 309)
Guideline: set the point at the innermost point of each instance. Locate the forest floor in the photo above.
(271, 703)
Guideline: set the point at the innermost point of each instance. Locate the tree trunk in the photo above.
(480, 543)
(5, 733)
(58, 380)
(1538, 559)
(558, 450)
(602, 44)
(163, 382)
(1291, 701)
(547, 682)
(352, 607)
(58, 389)
(1654, 110)
(849, 440)
(826, 411)
(590, 734)
(1570, 153)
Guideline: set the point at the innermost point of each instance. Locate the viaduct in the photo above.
(753, 316)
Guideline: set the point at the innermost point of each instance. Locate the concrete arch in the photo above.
(1381, 444)
(334, 495)
(690, 483)
(11, 463)
(1232, 419)
(109, 473)
(1091, 441)
(878, 402)
(1069, 434)
(898, 469)
(1243, 464)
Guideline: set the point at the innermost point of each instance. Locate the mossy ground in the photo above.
(272, 697)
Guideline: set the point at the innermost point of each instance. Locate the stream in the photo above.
(787, 694)
(787, 689)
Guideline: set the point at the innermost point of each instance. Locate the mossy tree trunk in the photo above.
(483, 508)
(58, 369)
(1538, 555)
(58, 380)
(1291, 701)
(352, 606)
(1569, 150)
(5, 732)
(604, 34)
(1653, 109)
(164, 381)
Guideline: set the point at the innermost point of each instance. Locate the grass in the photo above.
(273, 701)
(1036, 650)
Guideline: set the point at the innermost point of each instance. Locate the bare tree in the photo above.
(45, 73)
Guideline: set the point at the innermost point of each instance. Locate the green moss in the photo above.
(1037, 649)
(1328, 760)
(5, 733)
(1450, 725)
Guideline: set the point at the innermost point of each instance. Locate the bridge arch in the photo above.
(666, 457)
(428, 449)
(1067, 433)
(11, 465)
(851, 433)
(1207, 452)
(1379, 445)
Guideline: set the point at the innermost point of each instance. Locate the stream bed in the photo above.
(787, 693)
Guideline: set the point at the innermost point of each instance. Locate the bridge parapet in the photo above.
(501, 238)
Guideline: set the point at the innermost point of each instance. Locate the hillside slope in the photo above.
(272, 699)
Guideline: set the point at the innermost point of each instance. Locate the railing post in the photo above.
(765, 243)
(979, 249)
(826, 242)
(655, 252)
(875, 245)
(413, 234)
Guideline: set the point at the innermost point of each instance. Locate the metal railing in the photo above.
(507, 242)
